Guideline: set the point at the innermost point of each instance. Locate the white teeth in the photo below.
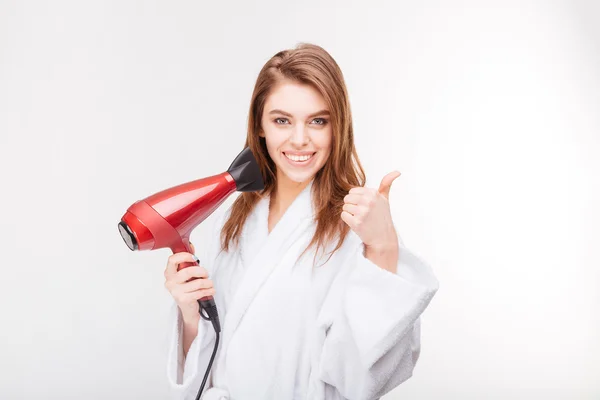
(298, 158)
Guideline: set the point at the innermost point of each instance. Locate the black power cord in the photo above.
(213, 316)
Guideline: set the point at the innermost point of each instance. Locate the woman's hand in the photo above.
(367, 212)
(184, 286)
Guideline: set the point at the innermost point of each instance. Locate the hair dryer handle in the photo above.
(187, 264)
(182, 247)
(207, 302)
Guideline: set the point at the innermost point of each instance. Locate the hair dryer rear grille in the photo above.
(128, 236)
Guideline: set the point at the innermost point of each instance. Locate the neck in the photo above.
(285, 193)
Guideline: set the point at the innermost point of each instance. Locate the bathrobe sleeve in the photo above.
(185, 374)
(372, 341)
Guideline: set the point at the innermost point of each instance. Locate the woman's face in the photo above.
(297, 129)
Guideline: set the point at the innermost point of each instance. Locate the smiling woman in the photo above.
(341, 323)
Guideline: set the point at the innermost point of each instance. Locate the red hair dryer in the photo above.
(167, 218)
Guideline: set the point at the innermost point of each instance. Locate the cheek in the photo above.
(325, 141)
(273, 142)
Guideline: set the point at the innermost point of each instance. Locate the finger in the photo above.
(193, 248)
(358, 190)
(386, 183)
(196, 284)
(185, 298)
(352, 209)
(198, 294)
(354, 198)
(349, 219)
(176, 259)
(190, 272)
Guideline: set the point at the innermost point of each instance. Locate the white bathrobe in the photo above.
(346, 329)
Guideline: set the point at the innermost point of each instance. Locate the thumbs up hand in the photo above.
(367, 212)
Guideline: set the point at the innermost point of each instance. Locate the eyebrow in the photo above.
(322, 112)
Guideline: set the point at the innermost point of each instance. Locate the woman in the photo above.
(317, 296)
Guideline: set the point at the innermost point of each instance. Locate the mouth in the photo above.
(300, 160)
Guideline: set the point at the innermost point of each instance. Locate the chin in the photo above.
(299, 178)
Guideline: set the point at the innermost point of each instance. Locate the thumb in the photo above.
(386, 183)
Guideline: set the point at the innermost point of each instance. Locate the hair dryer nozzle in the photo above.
(246, 173)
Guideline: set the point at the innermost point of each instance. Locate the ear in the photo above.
(261, 133)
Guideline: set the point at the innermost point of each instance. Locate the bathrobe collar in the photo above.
(260, 251)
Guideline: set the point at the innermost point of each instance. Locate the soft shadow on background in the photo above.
(490, 109)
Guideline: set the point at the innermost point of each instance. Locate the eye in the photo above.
(323, 121)
(278, 119)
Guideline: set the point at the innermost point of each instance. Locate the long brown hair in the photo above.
(312, 65)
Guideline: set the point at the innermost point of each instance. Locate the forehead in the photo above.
(295, 98)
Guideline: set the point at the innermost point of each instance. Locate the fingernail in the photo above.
(196, 259)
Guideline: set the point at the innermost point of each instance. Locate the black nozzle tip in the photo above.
(246, 173)
(128, 236)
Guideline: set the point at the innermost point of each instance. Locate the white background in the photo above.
(490, 109)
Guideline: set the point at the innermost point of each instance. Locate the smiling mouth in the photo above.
(302, 158)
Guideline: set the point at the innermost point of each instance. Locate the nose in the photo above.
(299, 136)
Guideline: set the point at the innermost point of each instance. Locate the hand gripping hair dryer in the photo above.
(167, 218)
